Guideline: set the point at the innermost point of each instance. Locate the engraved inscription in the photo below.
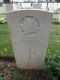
(30, 26)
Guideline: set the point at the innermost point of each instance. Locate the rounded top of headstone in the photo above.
(29, 10)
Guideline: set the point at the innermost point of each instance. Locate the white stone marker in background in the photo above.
(18, 7)
(14, 7)
(8, 7)
(43, 6)
(29, 31)
(51, 7)
(37, 5)
(4, 7)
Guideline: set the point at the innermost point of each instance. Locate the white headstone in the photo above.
(26, 5)
(8, 7)
(18, 7)
(14, 7)
(51, 7)
(29, 33)
(37, 5)
(43, 6)
(4, 7)
(58, 5)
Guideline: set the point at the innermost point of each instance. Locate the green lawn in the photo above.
(2, 15)
(5, 43)
(1, 10)
(55, 16)
(54, 41)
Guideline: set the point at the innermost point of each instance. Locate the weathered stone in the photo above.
(29, 31)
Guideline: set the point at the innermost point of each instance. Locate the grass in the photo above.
(55, 16)
(54, 41)
(2, 15)
(5, 43)
(1, 10)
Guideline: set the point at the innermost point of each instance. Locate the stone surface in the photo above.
(37, 5)
(4, 7)
(14, 7)
(18, 7)
(9, 7)
(26, 5)
(29, 31)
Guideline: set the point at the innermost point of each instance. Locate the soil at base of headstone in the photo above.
(9, 71)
